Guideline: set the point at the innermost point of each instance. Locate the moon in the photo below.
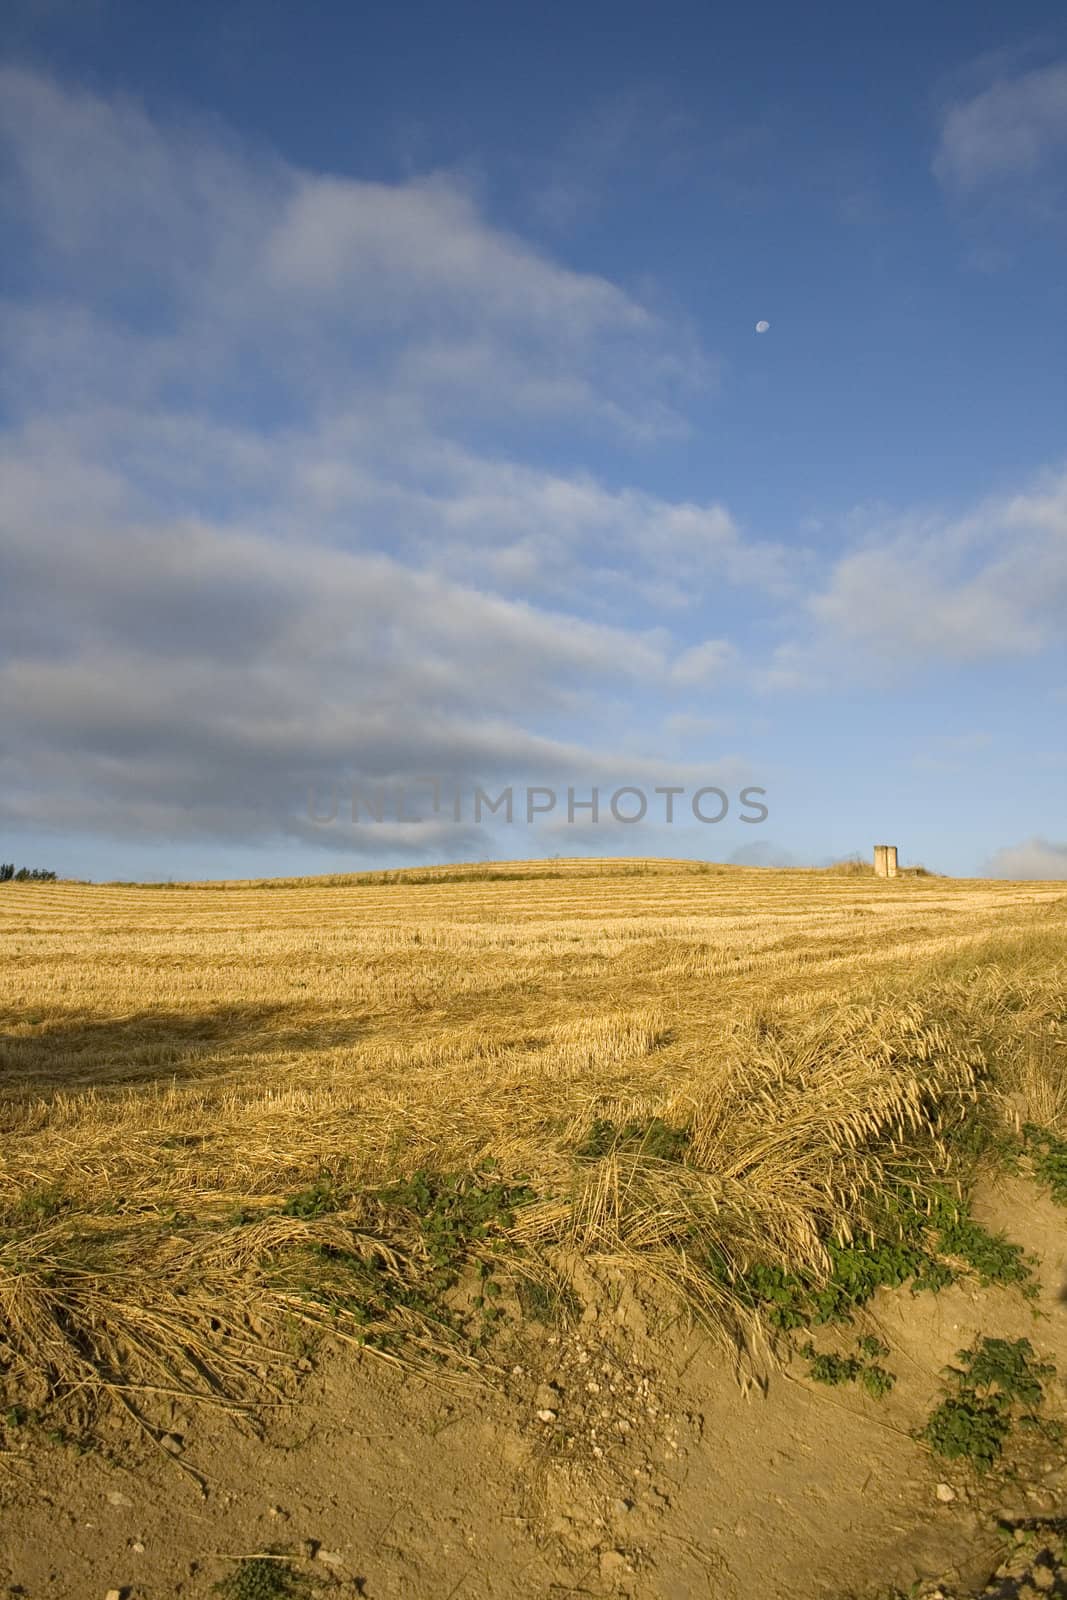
(762, 327)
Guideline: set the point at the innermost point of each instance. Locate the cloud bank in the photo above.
(1033, 859)
(1008, 131)
(294, 488)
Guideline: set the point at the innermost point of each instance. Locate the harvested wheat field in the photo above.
(551, 1229)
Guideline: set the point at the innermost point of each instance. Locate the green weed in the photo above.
(259, 1578)
(861, 1368)
(832, 1369)
(1048, 1157)
(877, 1381)
(39, 1205)
(456, 1212)
(320, 1200)
(907, 1243)
(798, 1299)
(549, 1305)
(994, 1379)
(991, 1256)
(655, 1139)
(444, 1217)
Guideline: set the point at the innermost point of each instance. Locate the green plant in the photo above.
(994, 1258)
(81, 1443)
(655, 1139)
(832, 1369)
(40, 1204)
(430, 1228)
(877, 1380)
(261, 1578)
(318, 1201)
(1048, 1157)
(799, 1299)
(860, 1368)
(1008, 1366)
(365, 1293)
(546, 1304)
(995, 1377)
(456, 1211)
(907, 1240)
(870, 1345)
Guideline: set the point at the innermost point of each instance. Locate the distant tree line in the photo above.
(24, 874)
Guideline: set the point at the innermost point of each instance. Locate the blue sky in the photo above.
(381, 398)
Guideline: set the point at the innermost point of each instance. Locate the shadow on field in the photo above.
(38, 1055)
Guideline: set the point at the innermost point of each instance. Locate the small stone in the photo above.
(945, 1493)
(330, 1558)
(309, 1549)
(1042, 1577)
(117, 1498)
(546, 1415)
(276, 1511)
(114, 1594)
(622, 1508)
(137, 1547)
(612, 1562)
(173, 1442)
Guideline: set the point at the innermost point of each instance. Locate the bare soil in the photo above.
(623, 1453)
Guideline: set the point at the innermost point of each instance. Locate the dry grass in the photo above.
(178, 1064)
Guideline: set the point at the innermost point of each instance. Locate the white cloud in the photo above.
(1034, 859)
(252, 536)
(896, 603)
(991, 584)
(1007, 131)
(315, 285)
(262, 518)
(692, 725)
(705, 663)
(391, 334)
(791, 669)
(388, 249)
